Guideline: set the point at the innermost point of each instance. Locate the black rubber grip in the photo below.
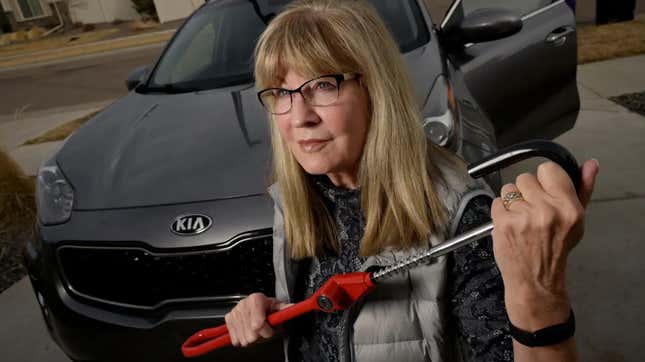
(522, 151)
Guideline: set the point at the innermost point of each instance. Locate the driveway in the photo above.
(605, 271)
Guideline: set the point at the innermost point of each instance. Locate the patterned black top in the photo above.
(475, 283)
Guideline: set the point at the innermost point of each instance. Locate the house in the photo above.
(168, 10)
(22, 14)
(588, 11)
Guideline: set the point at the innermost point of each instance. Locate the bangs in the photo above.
(305, 43)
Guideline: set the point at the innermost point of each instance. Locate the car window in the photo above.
(197, 57)
(520, 7)
(215, 46)
(404, 21)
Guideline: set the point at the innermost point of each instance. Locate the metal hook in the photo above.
(341, 291)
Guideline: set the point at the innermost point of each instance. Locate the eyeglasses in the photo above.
(321, 91)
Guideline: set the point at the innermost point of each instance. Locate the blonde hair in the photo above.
(398, 198)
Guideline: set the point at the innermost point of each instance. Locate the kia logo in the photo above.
(191, 224)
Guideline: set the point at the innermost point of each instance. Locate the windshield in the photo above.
(214, 49)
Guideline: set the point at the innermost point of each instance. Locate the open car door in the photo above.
(518, 60)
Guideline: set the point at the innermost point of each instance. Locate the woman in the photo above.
(358, 185)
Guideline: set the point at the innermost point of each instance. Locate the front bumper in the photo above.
(90, 333)
(95, 330)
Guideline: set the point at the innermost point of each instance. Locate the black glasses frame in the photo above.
(338, 77)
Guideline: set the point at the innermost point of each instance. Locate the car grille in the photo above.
(136, 277)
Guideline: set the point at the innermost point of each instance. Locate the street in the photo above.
(605, 270)
(92, 79)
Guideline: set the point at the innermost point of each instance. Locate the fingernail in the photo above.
(597, 165)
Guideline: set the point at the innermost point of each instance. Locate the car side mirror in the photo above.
(137, 76)
(483, 25)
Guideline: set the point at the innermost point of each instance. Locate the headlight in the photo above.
(441, 121)
(54, 195)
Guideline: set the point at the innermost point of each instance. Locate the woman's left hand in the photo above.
(532, 239)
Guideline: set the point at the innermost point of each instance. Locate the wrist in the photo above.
(531, 312)
(548, 336)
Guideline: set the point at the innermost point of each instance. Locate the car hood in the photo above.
(155, 149)
(158, 149)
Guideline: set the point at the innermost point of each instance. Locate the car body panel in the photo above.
(525, 104)
(151, 157)
(157, 149)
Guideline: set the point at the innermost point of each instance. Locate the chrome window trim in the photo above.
(524, 17)
(542, 9)
(450, 12)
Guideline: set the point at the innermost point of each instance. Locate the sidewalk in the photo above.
(605, 270)
(25, 337)
(15, 130)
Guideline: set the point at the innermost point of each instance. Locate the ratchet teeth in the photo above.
(435, 252)
(403, 265)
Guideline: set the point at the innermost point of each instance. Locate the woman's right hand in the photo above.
(247, 322)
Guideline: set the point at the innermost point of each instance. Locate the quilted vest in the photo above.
(406, 317)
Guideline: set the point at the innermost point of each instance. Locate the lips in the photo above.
(313, 145)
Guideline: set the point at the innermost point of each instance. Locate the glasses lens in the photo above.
(276, 101)
(321, 91)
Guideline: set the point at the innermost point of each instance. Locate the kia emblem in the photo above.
(193, 224)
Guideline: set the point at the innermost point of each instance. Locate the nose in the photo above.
(302, 114)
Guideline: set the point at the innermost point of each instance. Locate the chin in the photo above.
(313, 167)
(315, 170)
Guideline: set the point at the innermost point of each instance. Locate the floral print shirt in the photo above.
(476, 288)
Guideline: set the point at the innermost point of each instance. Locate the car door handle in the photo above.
(559, 36)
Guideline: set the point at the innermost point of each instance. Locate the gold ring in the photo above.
(511, 197)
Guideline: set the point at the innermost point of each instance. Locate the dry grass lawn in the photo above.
(594, 43)
(54, 42)
(17, 217)
(61, 132)
(610, 41)
(66, 52)
(17, 202)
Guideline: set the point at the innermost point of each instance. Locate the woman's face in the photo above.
(326, 139)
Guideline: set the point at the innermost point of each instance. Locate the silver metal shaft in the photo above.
(434, 252)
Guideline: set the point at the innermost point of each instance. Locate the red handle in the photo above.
(205, 341)
(338, 293)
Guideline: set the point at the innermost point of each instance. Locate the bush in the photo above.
(89, 27)
(17, 218)
(145, 8)
(17, 203)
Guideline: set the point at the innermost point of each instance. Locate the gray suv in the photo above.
(153, 218)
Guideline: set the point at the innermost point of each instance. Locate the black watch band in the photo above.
(545, 336)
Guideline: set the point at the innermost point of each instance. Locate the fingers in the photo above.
(280, 306)
(515, 205)
(589, 172)
(497, 211)
(246, 322)
(256, 317)
(265, 330)
(530, 188)
(232, 326)
(555, 181)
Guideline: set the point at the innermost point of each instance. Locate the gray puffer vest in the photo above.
(405, 317)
